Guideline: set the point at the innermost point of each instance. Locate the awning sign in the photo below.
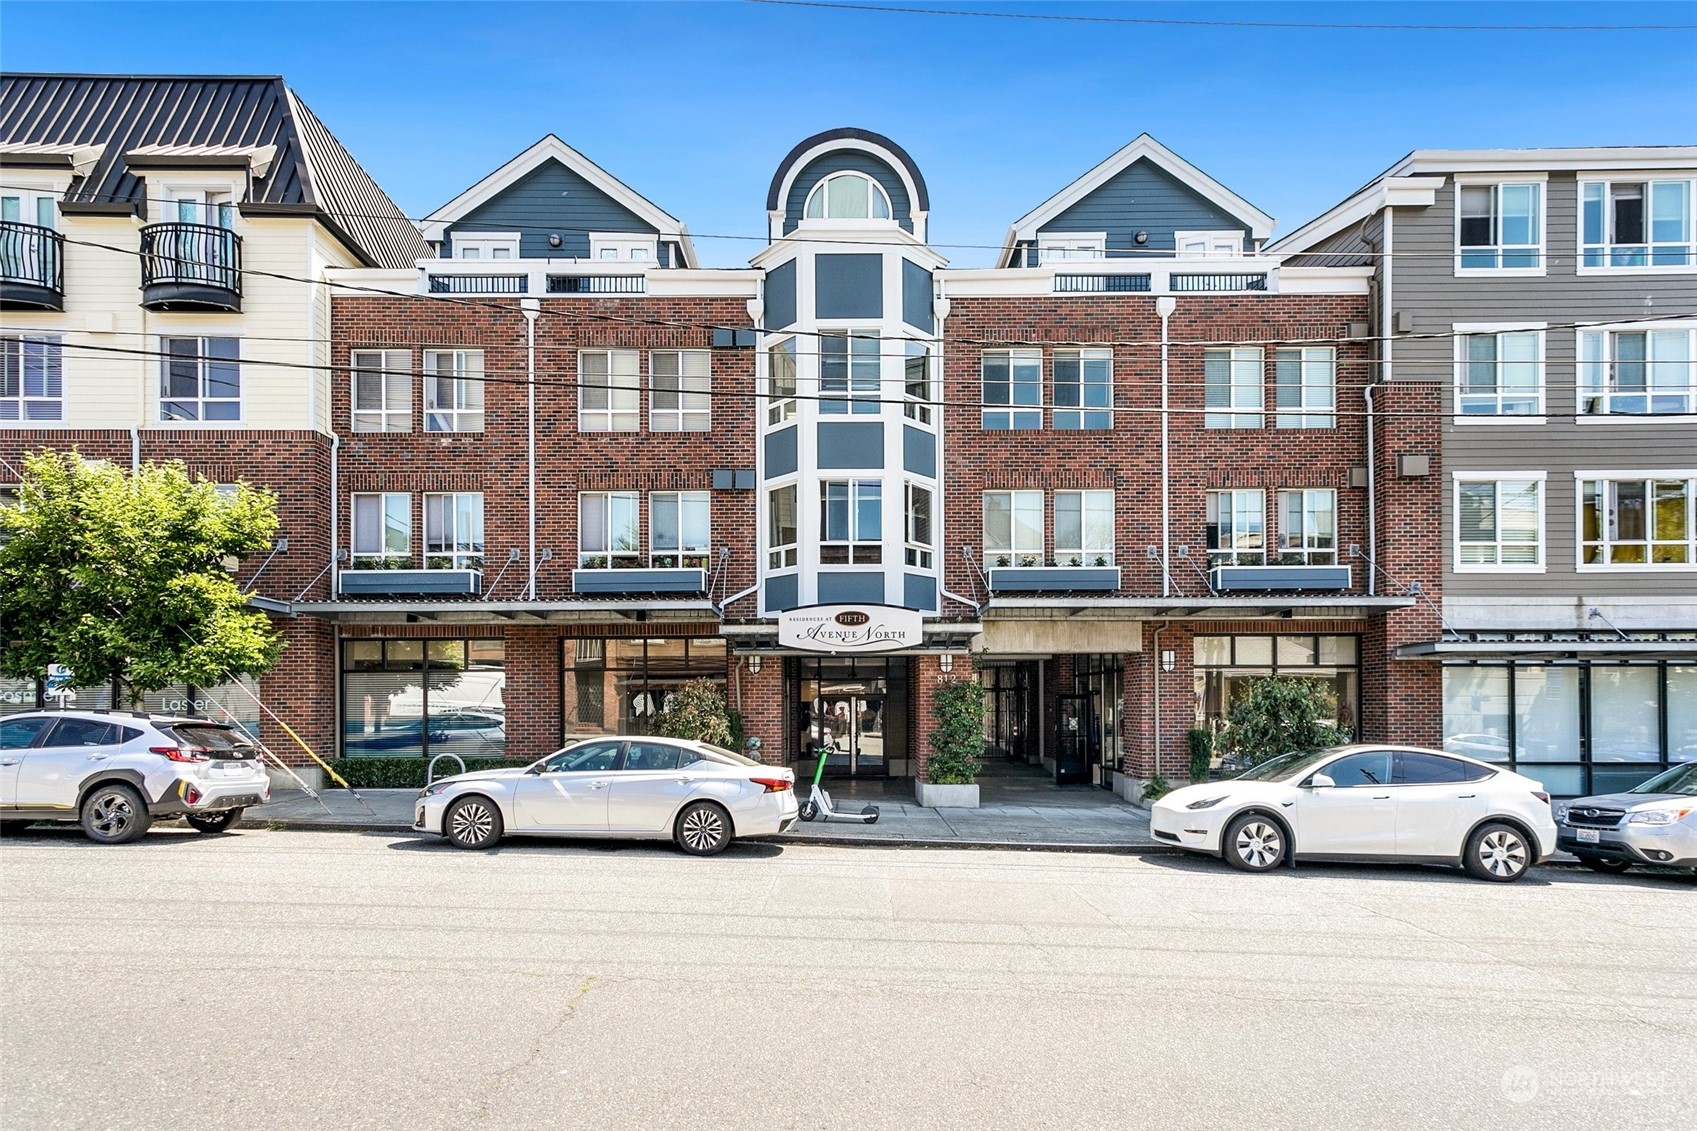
(850, 629)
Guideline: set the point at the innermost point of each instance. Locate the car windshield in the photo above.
(1681, 780)
(1288, 765)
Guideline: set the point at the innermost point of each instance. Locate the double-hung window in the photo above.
(1499, 374)
(610, 392)
(32, 379)
(780, 381)
(916, 382)
(453, 530)
(609, 530)
(781, 527)
(1232, 387)
(851, 522)
(1013, 528)
(1638, 372)
(382, 530)
(453, 390)
(1084, 389)
(1638, 521)
(1084, 528)
(1499, 522)
(680, 391)
(921, 537)
(1207, 245)
(679, 529)
(1237, 527)
(382, 390)
(1308, 527)
(1013, 389)
(1305, 387)
(1638, 223)
(201, 379)
(1500, 227)
(848, 371)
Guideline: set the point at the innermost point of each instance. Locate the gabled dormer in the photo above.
(847, 178)
(1144, 200)
(552, 202)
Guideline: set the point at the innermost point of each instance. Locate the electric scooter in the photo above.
(818, 804)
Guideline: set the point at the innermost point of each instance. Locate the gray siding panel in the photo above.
(916, 297)
(851, 588)
(901, 208)
(782, 593)
(857, 445)
(919, 591)
(1144, 198)
(780, 296)
(919, 451)
(552, 195)
(848, 286)
(780, 452)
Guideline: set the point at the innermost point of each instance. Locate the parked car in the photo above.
(699, 795)
(115, 772)
(1366, 802)
(1652, 823)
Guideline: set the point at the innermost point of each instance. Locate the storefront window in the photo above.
(418, 698)
(16, 695)
(1624, 710)
(1476, 712)
(1226, 665)
(619, 686)
(216, 703)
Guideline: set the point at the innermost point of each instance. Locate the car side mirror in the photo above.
(535, 769)
(1321, 781)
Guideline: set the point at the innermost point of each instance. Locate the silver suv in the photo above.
(113, 772)
(1654, 823)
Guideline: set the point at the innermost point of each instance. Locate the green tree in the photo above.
(122, 576)
(695, 710)
(1276, 716)
(958, 742)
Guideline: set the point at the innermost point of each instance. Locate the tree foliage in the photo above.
(696, 710)
(121, 575)
(1279, 715)
(958, 742)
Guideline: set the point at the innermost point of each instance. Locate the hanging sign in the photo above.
(850, 628)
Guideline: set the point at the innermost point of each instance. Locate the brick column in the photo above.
(762, 703)
(301, 689)
(534, 686)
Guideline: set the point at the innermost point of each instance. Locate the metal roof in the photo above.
(310, 171)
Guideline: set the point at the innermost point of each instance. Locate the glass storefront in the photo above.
(1577, 727)
(853, 712)
(1099, 677)
(417, 698)
(618, 686)
(227, 703)
(1010, 690)
(1225, 665)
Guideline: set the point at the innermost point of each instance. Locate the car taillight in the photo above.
(1541, 796)
(192, 796)
(180, 753)
(773, 785)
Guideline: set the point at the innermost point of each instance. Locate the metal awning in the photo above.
(1671, 645)
(580, 611)
(1270, 605)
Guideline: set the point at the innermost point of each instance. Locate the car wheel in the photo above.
(1497, 852)
(12, 828)
(809, 810)
(114, 814)
(472, 822)
(1254, 843)
(220, 822)
(703, 829)
(1604, 863)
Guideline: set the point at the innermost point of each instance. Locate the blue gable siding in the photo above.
(1144, 198)
(901, 208)
(780, 296)
(916, 296)
(552, 195)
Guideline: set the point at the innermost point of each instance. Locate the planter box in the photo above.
(946, 796)
(1227, 579)
(1054, 579)
(639, 581)
(410, 582)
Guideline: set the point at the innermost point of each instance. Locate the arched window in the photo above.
(847, 196)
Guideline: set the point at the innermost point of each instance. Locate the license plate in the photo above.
(1586, 836)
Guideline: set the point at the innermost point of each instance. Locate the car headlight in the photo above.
(1206, 803)
(435, 788)
(1561, 812)
(1657, 816)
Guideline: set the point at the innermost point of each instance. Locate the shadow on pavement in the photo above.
(554, 846)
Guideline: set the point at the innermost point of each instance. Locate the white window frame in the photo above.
(1094, 506)
(625, 247)
(201, 401)
(1245, 547)
(18, 407)
(1070, 247)
(33, 200)
(782, 555)
(1650, 478)
(389, 371)
(860, 387)
(1311, 402)
(1083, 417)
(1606, 250)
(691, 398)
(1017, 553)
(1306, 542)
(609, 543)
(214, 199)
(694, 509)
(921, 544)
(1464, 399)
(1245, 388)
(781, 399)
(460, 374)
(461, 548)
(484, 246)
(1208, 244)
(917, 357)
(1596, 376)
(1015, 415)
(1496, 183)
(620, 388)
(389, 506)
(1498, 544)
(861, 547)
(875, 194)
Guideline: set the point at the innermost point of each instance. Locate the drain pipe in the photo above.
(1164, 307)
(1155, 649)
(335, 511)
(1383, 376)
(531, 308)
(135, 451)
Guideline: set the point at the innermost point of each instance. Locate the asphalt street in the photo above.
(280, 979)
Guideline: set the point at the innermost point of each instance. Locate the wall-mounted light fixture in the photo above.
(1169, 659)
(754, 665)
(946, 661)
(555, 241)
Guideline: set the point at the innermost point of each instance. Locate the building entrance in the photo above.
(852, 712)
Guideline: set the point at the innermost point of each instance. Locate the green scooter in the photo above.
(818, 804)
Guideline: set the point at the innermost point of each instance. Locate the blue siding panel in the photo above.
(919, 592)
(780, 296)
(552, 194)
(851, 588)
(851, 445)
(919, 451)
(848, 286)
(780, 452)
(782, 593)
(1145, 198)
(901, 208)
(916, 297)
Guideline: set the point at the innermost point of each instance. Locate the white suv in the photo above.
(113, 772)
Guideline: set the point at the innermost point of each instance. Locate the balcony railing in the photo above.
(190, 267)
(479, 284)
(1211, 281)
(32, 267)
(1112, 284)
(596, 285)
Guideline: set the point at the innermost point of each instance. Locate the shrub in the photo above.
(1157, 788)
(1277, 716)
(958, 741)
(406, 773)
(1201, 753)
(696, 710)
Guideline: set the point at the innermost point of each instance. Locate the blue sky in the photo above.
(694, 104)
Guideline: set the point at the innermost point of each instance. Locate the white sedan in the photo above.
(1388, 804)
(699, 795)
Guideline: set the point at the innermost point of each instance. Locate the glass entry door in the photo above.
(1075, 738)
(848, 712)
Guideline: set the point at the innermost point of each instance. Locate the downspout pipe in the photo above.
(1155, 649)
(531, 308)
(335, 512)
(1164, 307)
(135, 451)
(1382, 377)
